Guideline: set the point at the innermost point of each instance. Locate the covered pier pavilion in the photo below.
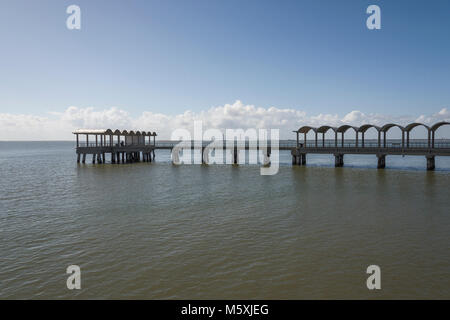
(123, 146)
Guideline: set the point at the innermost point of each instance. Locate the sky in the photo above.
(159, 65)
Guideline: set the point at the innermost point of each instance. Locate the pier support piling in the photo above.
(78, 158)
(430, 163)
(381, 161)
(235, 155)
(303, 159)
(338, 160)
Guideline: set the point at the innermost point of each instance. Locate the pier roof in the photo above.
(115, 132)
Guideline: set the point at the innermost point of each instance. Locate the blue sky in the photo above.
(170, 56)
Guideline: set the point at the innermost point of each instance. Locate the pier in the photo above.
(430, 149)
(136, 146)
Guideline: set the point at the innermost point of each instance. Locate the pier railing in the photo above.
(107, 144)
(290, 144)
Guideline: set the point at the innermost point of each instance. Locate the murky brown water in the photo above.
(161, 231)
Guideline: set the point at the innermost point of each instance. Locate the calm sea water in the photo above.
(156, 230)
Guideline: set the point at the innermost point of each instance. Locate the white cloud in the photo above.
(59, 126)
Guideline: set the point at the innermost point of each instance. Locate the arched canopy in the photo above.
(115, 132)
(345, 127)
(324, 129)
(366, 127)
(435, 126)
(388, 126)
(306, 129)
(411, 126)
(91, 131)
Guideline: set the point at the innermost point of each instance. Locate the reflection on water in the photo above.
(194, 231)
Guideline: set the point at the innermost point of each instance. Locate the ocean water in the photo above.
(159, 231)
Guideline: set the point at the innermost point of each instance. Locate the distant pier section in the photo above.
(430, 149)
(123, 146)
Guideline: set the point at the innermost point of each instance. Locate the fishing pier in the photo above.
(136, 146)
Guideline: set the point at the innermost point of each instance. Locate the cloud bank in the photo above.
(59, 125)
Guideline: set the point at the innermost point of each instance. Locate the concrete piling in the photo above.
(338, 160)
(381, 161)
(430, 163)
